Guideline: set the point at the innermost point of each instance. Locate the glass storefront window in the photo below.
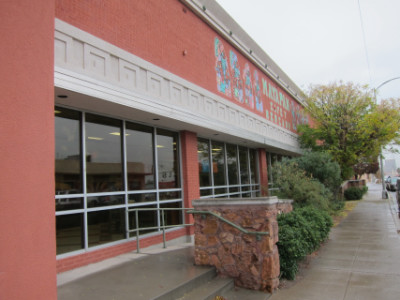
(108, 200)
(103, 154)
(121, 160)
(234, 169)
(218, 159)
(68, 166)
(244, 165)
(207, 192)
(106, 226)
(253, 166)
(146, 218)
(231, 157)
(167, 154)
(69, 233)
(140, 157)
(173, 195)
(172, 217)
(203, 155)
(69, 203)
(139, 198)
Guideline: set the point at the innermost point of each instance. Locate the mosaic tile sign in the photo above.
(244, 83)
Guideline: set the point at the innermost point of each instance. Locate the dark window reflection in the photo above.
(206, 192)
(146, 219)
(106, 226)
(69, 233)
(203, 154)
(138, 198)
(244, 166)
(167, 153)
(231, 151)
(253, 166)
(172, 217)
(140, 157)
(68, 167)
(69, 203)
(220, 191)
(108, 200)
(170, 195)
(103, 154)
(218, 159)
(234, 190)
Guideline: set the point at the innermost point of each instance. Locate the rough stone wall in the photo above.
(252, 261)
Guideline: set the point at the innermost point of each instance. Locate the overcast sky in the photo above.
(321, 41)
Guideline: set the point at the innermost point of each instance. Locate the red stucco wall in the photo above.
(263, 165)
(162, 31)
(190, 173)
(27, 222)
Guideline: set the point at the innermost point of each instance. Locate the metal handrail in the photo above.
(258, 234)
(163, 226)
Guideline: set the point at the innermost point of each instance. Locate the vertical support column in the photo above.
(263, 164)
(27, 213)
(190, 172)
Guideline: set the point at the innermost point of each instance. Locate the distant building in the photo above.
(389, 167)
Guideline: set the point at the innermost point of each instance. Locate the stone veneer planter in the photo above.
(253, 261)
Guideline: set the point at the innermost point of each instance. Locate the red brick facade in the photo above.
(27, 222)
(169, 35)
(263, 165)
(90, 257)
(190, 172)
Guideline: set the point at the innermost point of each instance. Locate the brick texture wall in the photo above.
(94, 256)
(262, 161)
(165, 33)
(190, 172)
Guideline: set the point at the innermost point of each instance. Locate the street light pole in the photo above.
(384, 192)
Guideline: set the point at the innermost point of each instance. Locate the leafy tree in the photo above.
(320, 166)
(365, 168)
(348, 124)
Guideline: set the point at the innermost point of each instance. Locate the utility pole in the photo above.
(384, 192)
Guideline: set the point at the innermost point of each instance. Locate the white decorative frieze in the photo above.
(209, 107)
(97, 62)
(154, 85)
(177, 94)
(194, 101)
(63, 48)
(128, 74)
(84, 54)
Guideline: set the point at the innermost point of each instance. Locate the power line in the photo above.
(365, 42)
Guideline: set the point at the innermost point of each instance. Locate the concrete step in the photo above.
(245, 294)
(209, 290)
(186, 287)
(154, 274)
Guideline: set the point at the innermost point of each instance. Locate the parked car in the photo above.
(391, 183)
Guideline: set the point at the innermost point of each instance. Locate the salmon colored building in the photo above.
(112, 106)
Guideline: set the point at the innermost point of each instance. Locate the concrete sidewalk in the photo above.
(360, 261)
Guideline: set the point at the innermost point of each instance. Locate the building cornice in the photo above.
(218, 19)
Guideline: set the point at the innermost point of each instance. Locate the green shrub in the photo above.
(337, 205)
(364, 189)
(301, 232)
(319, 165)
(294, 183)
(354, 193)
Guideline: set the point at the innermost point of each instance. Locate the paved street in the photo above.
(360, 261)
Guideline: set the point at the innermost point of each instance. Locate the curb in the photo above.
(394, 210)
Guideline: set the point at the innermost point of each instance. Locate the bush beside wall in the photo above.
(301, 232)
(355, 193)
